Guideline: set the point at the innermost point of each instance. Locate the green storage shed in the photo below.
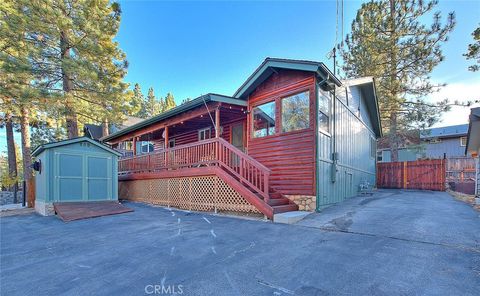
(74, 170)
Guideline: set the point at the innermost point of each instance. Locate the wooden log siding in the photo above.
(290, 156)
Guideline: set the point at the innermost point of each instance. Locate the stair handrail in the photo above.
(261, 187)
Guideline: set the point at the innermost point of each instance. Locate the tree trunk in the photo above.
(70, 115)
(393, 133)
(11, 154)
(105, 130)
(27, 160)
(393, 137)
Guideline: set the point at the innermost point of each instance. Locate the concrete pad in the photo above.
(290, 217)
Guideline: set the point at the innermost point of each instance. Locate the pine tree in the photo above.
(474, 51)
(71, 55)
(389, 41)
(169, 102)
(136, 101)
(152, 104)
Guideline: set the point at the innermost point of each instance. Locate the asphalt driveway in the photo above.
(392, 243)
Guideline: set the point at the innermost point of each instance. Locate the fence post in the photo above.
(404, 175)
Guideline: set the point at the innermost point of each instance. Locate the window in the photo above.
(146, 147)
(435, 141)
(171, 143)
(204, 134)
(324, 107)
(264, 120)
(296, 112)
(379, 156)
(463, 141)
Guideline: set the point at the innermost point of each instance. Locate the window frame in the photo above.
(204, 130)
(146, 144)
(280, 106)
(329, 115)
(276, 99)
(252, 114)
(461, 141)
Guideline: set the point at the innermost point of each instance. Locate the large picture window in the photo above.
(296, 112)
(324, 107)
(264, 120)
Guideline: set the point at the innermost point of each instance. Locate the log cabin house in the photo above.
(293, 136)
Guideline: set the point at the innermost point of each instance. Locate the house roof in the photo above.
(473, 135)
(268, 67)
(176, 111)
(43, 147)
(445, 132)
(96, 131)
(367, 86)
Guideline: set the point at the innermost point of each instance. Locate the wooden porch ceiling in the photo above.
(191, 120)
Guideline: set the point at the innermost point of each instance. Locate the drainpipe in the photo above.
(317, 158)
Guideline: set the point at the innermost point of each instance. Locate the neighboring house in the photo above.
(96, 131)
(409, 149)
(473, 144)
(280, 143)
(433, 143)
(445, 141)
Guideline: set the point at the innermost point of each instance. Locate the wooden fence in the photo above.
(420, 174)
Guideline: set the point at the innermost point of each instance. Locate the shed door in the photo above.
(83, 177)
(69, 177)
(99, 181)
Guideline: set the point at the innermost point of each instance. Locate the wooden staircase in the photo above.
(247, 176)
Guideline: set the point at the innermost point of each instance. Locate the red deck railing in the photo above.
(212, 152)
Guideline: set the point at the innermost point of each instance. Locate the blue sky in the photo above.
(192, 48)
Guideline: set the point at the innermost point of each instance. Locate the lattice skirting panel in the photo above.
(205, 193)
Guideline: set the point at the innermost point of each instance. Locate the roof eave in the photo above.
(197, 102)
(272, 63)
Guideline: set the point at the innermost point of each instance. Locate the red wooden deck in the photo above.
(69, 211)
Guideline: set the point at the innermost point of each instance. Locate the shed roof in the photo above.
(176, 111)
(473, 135)
(445, 132)
(268, 67)
(43, 147)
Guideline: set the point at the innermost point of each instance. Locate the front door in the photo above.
(237, 139)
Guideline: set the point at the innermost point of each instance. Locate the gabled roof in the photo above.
(369, 90)
(176, 111)
(473, 135)
(41, 148)
(445, 132)
(268, 67)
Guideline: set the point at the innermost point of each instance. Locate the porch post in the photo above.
(134, 140)
(166, 147)
(217, 122)
(166, 137)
